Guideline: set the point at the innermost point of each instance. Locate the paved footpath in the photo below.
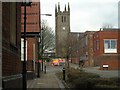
(48, 80)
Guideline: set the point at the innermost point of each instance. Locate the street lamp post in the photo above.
(24, 62)
(42, 47)
(39, 65)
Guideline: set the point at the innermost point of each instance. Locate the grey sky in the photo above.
(84, 15)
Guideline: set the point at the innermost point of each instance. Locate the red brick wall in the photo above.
(32, 25)
(33, 17)
(30, 52)
(90, 49)
(86, 48)
(75, 60)
(30, 42)
(111, 61)
(100, 57)
(101, 36)
(11, 62)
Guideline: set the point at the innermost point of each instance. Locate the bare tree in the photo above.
(48, 36)
(68, 49)
(71, 45)
(107, 25)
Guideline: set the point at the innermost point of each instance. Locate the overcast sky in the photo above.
(84, 15)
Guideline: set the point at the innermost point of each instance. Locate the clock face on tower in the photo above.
(63, 28)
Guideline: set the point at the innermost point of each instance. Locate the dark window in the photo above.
(97, 43)
(64, 18)
(110, 44)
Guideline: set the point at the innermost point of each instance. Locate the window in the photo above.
(107, 44)
(110, 46)
(94, 45)
(97, 43)
(113, 44)
(86, 40)
(62, 18)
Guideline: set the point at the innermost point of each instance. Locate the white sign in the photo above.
(105, 65)
(22, 49)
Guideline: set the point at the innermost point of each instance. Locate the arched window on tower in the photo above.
(64, 18)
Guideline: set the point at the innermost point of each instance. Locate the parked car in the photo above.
(55, 62)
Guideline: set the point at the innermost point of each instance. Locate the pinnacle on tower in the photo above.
(68, 7)
(65, 7)
(58, 6)
(55, 8)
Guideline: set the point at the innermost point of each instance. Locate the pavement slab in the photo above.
(46, 80)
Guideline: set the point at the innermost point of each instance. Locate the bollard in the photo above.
(45, 69)
(63, 73)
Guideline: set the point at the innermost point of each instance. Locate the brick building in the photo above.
(32, 35)
(11, 35)
(106, 49)
(75, 46)
(86, 49)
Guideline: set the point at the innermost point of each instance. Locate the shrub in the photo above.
(73, 74)
(84, 83)
(106, 81)
(116, 80)
(81, 79)
(89, 75)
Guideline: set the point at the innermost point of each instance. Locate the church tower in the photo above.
(62, 29)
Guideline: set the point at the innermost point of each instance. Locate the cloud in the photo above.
(84, 15)
(93, 15)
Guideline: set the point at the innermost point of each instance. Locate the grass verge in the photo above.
(76, 78)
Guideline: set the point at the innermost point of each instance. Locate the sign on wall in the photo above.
(22, 49)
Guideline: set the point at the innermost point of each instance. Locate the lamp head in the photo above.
(28, 2)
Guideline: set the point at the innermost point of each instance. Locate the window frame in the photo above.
(110, 49)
